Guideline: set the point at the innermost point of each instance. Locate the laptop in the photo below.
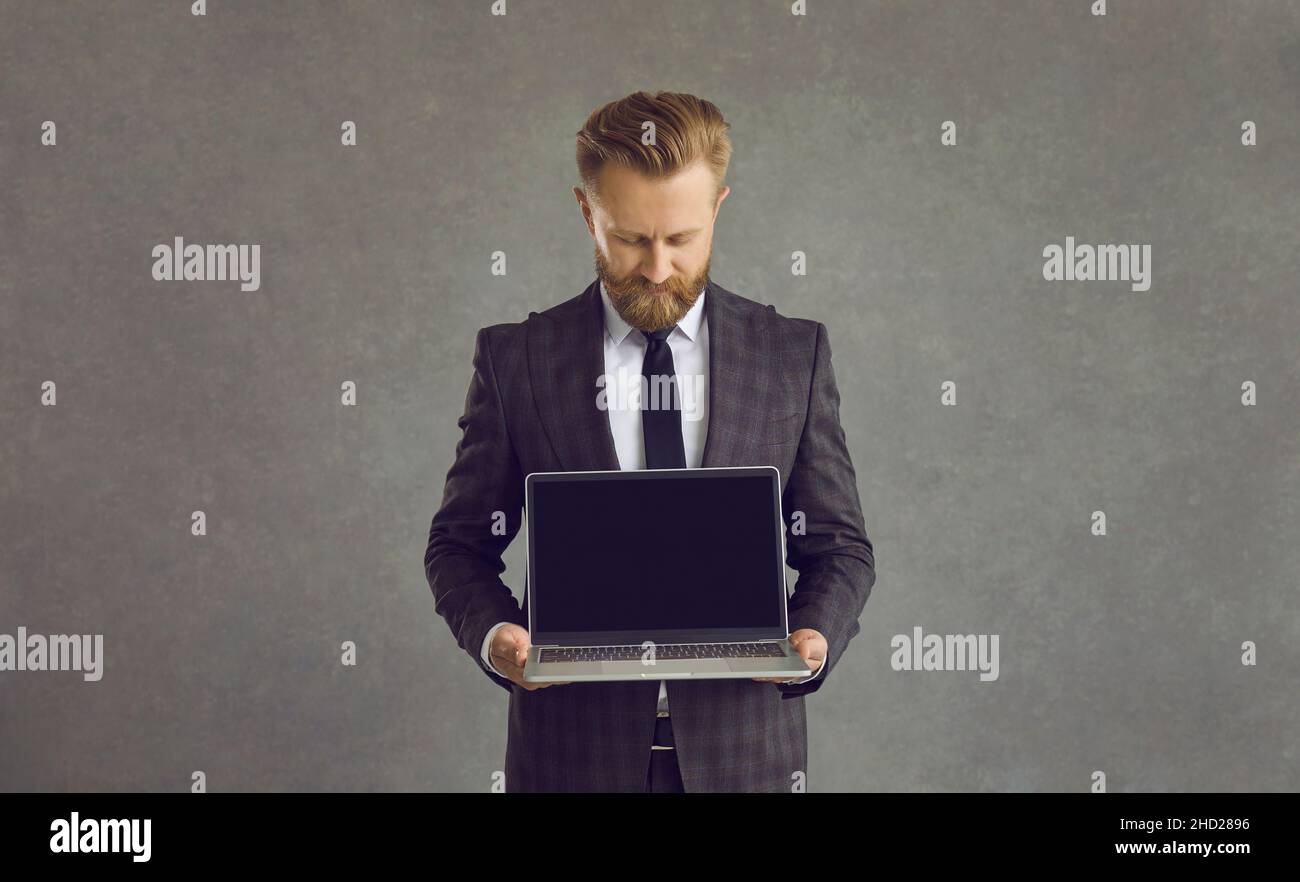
(657, 574)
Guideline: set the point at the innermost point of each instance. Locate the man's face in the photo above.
(653, 240)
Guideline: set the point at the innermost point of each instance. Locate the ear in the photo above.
(586, 210)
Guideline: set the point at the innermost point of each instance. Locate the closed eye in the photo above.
(675, 240)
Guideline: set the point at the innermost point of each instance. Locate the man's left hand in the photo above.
(812, 646)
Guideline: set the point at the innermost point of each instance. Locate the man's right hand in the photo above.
(509, 652)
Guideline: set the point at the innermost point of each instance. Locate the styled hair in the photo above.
(686, 130)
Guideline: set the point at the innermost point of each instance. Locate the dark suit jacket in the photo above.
(531, 407)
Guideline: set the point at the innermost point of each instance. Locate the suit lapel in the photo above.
(735, 361)
(566, 355)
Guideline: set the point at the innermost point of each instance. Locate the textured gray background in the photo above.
(1119, 653)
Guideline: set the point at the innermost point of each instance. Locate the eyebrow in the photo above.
(637, 235)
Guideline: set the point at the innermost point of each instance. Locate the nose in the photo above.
(660, 269)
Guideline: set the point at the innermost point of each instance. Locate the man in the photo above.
(764, 394)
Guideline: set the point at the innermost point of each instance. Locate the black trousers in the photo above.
(664, 776)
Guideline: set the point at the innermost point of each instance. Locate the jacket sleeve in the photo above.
(467, 538)
(835, 559)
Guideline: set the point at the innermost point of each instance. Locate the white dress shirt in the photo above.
(624, 352)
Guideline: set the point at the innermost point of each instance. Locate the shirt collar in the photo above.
(617, 329)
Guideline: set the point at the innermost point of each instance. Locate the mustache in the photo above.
(645, 288)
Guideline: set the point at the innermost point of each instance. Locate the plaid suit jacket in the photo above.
(531, 407)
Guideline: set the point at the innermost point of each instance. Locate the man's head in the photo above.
(652, 169)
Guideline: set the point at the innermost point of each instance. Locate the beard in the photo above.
(645, 307)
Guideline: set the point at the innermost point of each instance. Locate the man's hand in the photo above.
(509, 652)
(811, 645)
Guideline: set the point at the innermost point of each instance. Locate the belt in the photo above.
(663, 739)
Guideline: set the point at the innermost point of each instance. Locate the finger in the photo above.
(807, 647)
(505, 659)
(512, 654)
(521, 649)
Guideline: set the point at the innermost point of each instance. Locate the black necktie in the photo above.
(661, 406)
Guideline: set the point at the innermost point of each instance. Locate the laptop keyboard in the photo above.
(663, 651)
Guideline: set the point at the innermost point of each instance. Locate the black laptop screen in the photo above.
(651, 554)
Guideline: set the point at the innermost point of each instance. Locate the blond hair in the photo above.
(686, 129)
